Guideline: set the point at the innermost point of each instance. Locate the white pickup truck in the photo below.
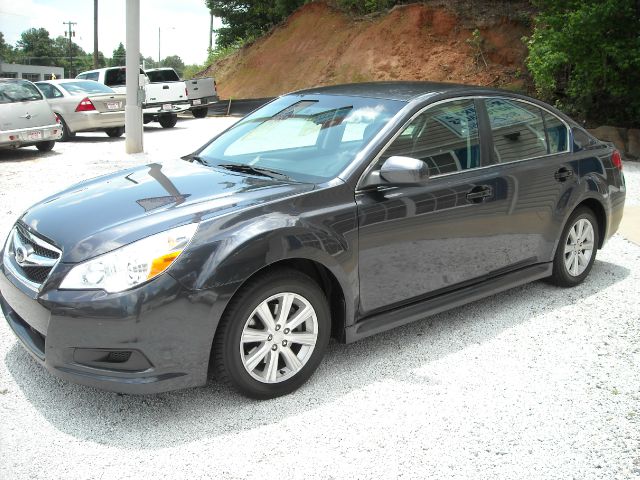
(201, 92)
(162, 101)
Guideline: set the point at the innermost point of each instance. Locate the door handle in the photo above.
(479, 193)
(165, 87)
(563, 174)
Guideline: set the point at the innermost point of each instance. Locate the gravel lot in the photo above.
(536, 382)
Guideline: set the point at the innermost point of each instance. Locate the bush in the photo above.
(584, 56)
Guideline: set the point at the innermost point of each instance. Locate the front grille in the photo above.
(29, 257)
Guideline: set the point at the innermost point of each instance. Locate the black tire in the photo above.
(45, 146)
(227, 359)
(168, 120)
(147, 119)
(67, 134)
(561, 276)
(200, 112)
(114, 132)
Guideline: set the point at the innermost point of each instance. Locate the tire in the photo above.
(200, 112)
(571, 267)
(168, 120)
(275, 345)
(45, 146)
(114, 132)
(147, 119)
(67, 134)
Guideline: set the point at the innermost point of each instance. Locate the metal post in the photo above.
(158, 47)
(95, 33)
(70, 24)
(133, 109)
(211, 30)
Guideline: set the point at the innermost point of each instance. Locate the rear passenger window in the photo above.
(445, 137)
(517, 129)
(557, 134)
(582, 140)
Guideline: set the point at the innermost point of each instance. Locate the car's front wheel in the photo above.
(577, 249)
(273, 335)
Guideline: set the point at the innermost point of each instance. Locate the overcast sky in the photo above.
(184, 24)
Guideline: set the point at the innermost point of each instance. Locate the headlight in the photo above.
(132, 264)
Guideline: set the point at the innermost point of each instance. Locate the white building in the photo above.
(33, 73)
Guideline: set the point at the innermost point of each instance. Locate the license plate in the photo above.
(37, 135)
(166, 106)
(113, 105)
(197, 102)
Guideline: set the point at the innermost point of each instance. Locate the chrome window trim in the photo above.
(452, 99)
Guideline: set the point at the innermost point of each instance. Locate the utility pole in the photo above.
(72, 33)
(133, 108)
(211, 30)
(95, 33)
(158, 47)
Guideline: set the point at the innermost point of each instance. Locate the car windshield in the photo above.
(18, 91)
(310, 138)
(163, 76)
(81, 87)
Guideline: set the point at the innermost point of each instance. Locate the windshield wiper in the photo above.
(246, 168)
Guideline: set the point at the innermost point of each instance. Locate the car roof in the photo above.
(404, 91)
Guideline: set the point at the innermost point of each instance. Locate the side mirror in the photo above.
(404, 171)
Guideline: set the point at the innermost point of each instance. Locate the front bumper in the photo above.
(24, 137)
(151, 339)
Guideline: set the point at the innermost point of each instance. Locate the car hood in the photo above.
(100, 215)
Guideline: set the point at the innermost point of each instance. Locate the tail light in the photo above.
(85, 106)
(616, 159)
(57, 118)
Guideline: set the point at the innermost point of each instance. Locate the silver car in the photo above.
(85, 106)
(25, 116)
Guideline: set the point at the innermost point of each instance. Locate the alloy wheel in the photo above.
(579, 247)
(279, 337)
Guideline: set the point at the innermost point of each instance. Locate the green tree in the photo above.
(119, 57)
(6, 50)
(36, 47)
(246, 19)
(175, 62)
(584, 55)
(70, 56)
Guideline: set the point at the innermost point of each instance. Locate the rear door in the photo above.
(530, 151)
(419, 241)
(200, 88)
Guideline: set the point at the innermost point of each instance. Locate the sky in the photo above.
(184, 24)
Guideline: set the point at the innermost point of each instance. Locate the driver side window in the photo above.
(444, 136)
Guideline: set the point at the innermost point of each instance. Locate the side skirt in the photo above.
(384, 321)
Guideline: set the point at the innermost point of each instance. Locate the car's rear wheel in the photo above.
(168, 120)
(66, 133)
(114, 132)
(200, 112)
(45, 146)
(273, 335)
(577, 249)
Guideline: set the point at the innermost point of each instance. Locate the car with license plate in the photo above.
(85, 106)
(339, 211)
(26, 119)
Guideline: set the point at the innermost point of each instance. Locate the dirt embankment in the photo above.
(318, 45)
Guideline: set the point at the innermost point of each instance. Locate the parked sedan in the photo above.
(338, 211)
(25, 117)
(85, 106)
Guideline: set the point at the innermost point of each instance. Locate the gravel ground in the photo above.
(536, 382)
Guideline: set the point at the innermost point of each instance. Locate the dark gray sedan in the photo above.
(338, 211)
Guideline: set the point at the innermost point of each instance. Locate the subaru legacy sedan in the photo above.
(337, 212)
